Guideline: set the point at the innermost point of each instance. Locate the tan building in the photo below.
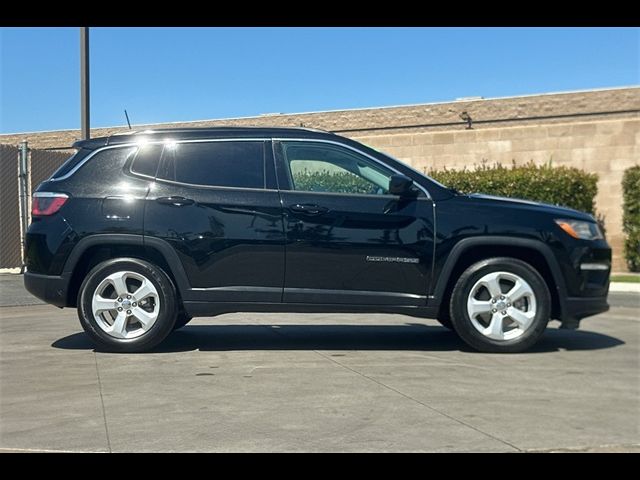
(596, 130)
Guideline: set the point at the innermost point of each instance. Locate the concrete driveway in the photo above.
(270, 382)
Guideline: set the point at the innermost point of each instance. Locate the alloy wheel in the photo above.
(125, 304)
(501, 305)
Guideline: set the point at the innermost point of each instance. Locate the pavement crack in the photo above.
(104, 411)
(426, 405)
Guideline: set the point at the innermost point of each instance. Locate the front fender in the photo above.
(465, 245)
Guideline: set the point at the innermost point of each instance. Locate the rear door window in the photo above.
(219, 164)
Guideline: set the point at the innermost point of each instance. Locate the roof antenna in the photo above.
(127, 115)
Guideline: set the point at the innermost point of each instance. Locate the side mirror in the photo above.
(401, 185)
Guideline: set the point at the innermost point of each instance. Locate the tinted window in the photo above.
(71, 163)
(222, 164)
(146, 161)
(325, 168)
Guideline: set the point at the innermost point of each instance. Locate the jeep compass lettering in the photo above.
(143, 231)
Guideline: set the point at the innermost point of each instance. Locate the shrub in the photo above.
(326, 181)
(565, 186)
(631, 217)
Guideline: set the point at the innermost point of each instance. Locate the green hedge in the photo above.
(631, 218)
(325, 181)
(564, 186)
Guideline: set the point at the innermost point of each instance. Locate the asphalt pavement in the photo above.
(321, 382)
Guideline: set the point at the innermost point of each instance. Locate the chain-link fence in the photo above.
(40, 165)
(9, 208)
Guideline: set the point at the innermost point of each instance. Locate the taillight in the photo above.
(47, 203)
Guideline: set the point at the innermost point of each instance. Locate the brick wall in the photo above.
(596, 130)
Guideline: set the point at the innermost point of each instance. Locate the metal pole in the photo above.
(84, 82)
(23, 185)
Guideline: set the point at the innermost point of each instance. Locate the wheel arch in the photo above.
(470, 250)
(94, 249)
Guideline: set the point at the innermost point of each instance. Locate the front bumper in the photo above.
(49, 288)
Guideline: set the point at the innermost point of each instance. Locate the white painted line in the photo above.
(46, 450)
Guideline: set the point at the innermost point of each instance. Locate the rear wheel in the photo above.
(500, 305)
(127, 305)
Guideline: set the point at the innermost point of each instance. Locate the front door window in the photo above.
(329, 169)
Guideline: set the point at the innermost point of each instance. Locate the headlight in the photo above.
(580, 229)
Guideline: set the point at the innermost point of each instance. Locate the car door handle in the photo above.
(308, 209)
(175, 201)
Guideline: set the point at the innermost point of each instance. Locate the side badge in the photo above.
(393, 259)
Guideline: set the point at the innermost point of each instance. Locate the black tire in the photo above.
(460, 317)
(181, 320)
(164, 322)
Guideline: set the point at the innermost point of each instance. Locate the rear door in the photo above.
(216, 204)
(348, 240)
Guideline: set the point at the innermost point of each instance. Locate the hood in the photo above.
(557, 211)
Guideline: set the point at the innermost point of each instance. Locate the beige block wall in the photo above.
(606, 147)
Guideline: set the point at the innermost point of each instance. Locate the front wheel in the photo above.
(500, 305)
(127, 305)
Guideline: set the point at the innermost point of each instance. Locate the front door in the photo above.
(348, 241)
(213, 204)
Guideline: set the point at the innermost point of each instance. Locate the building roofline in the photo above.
(566, 92)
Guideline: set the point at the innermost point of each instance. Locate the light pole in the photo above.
(84, 82)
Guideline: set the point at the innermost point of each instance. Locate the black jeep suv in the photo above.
(143, 231)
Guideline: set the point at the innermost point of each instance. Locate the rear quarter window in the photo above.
(71, 163)
(102, 164)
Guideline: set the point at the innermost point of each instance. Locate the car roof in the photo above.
(204, 133)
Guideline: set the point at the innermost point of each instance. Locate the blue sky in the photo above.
(173, 74)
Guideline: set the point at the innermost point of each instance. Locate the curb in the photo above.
(9, 271)
(624, 287)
